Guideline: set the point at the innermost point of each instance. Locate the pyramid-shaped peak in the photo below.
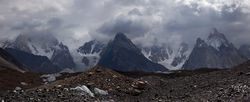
(122, 55)
(215, 30)
(120, 36)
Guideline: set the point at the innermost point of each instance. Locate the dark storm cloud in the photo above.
(144, 21)
(55, 22)
(122, 24)
(38, 28)
(26, 25)
(180, 22)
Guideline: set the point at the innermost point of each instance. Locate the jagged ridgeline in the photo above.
(40, 52)
(215, 52)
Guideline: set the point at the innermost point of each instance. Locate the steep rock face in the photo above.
(34, 44)
(42, 45)
(62, 57)
(34, 62)
(91, 47)
(121, 54)
(216, 52)
(157, 53)
(89, 54)
(245, 51)
(167, 56)
(181, 56)
(8, 61)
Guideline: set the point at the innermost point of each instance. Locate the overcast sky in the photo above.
(145, 21)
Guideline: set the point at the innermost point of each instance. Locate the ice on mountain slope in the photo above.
(42, 45)
(37, 50)
(88, 55)
(156, 53)
(216, 40)
(169, 57)
(161, 55)
(81, 65)
(215, 52)
(34, 44)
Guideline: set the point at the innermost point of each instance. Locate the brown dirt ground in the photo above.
(10, 79)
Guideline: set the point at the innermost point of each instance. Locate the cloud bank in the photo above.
(147, 22)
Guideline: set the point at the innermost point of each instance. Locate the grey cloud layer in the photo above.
(146, 21)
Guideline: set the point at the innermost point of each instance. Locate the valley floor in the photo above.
(204, 85)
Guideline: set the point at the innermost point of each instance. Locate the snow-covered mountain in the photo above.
(88, 55)
(175, 58)
(167, 56)
(217, 39)
(34, 62)
(35, 44)
(215, 52)
(43, 45)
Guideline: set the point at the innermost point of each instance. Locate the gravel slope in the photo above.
(204, 85)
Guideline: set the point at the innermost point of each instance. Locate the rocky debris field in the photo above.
(104, 85)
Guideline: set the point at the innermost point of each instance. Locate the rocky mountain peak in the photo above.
(200, 42)
(184, 47)
(217, 39)
(42, 45)
(121, 54)
(121, 40)
(216, 52)
(91, 47)
(121, 36)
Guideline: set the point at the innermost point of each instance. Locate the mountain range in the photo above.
(167, 56)
(215, 52)
(172, 58)
(34, 62)
(88, 54)
(43, 54)
(42, 49)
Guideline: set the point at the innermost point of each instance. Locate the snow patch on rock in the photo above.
(215, 43)
(174, 57)
(100, 92)
(23, 83)
(18, 88)
(216, 40)
(50, 77)
(84, 90)
(67, 70)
